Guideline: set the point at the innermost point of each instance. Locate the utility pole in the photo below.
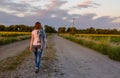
(73, 21)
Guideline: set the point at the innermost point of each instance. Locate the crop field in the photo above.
(105, 44)
(9, 37)
(101, 37)
(13, 34)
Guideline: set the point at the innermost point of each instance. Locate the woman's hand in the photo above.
(30, 49)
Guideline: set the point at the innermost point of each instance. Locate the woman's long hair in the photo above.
(37, 25)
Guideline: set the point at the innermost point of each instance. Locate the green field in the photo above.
(98, 37)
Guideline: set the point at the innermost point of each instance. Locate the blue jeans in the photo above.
(38, 53)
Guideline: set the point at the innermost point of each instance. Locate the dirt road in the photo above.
(13, 49)
(73, 61)
(76, 61)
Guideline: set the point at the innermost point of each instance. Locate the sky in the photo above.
(86, 13)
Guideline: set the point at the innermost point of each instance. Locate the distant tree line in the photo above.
(90, 30)
(71, 30)
(20, 28)
(50, 29)
(25, 28)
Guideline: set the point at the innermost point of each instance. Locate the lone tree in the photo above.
(71, 30)
(2, 27)
(61, 30)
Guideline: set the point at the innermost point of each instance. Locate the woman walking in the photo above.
(37, 43)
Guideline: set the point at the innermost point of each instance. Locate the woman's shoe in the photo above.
(37, 70)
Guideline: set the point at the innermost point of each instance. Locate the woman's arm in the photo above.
(31, 42)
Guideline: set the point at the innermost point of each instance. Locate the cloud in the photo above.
(52, 8)
(55, 4)
(87, 20)
(9, 19)
(17, 9)
(81, 7)
(62, 19)
(14, 6)
(81, 21)
(87, 3)
(22, 8)
(52, 15)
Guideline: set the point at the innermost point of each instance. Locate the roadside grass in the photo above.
(103, 46)
(6, 40)
(11, 63)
